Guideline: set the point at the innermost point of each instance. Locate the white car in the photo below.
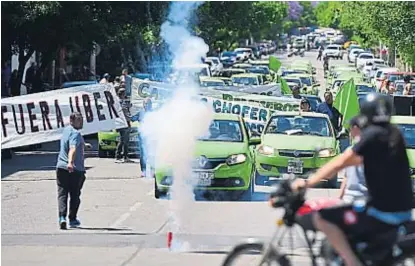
(362, 58)
(351, 57)
(299, 43)
(333, 50)
(215, 64)
(370, 65)
(243, 53)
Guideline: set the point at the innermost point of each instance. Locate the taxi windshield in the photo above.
(299, 125)
(306, 80)
(213, 84)
(245, 80)
(224, 130)
(408, 132)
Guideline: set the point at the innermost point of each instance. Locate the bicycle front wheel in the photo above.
(253, 254)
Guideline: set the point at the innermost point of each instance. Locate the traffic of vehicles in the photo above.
(284, 144)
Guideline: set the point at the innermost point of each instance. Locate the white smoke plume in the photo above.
(171, 131)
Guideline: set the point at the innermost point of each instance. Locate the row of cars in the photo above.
(232, 159)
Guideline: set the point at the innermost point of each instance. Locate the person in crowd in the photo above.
(70, 171)
(354, 184)
(296, 92)
(127, 80)
(121, 155)
(147, 107)
(327, 108)
(320, 53)
(305, 105)
(326, 66)
(387, 88)
(37, 83)
(105, 79)
(407, 89)
(5, 79)
(30, 76)
(14, 83)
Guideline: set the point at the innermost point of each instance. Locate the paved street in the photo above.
(122, 222)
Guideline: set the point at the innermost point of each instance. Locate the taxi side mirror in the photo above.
(255, 141)
(88, 146)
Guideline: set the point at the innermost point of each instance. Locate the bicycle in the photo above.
(389, 248)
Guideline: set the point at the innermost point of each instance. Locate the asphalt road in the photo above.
(122, 222)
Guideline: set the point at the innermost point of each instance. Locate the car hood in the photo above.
(298, 142)
(219, 149)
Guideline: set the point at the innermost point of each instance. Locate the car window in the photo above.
(245, 80)
(365, 88)
(213, 84)
(379, 74)
(338, 83)
(366, 56)
(224, 130)
(408, 132)
(306, 81)
(299, 125)
(297, 81)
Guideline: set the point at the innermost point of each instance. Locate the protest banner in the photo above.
(269, 102)
(255, 108)
(41, 117)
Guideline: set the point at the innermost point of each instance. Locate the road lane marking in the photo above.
(126, 215)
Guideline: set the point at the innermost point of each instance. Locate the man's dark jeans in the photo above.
(69, 183)
(123, 143)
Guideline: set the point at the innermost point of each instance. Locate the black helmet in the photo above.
(376, 109)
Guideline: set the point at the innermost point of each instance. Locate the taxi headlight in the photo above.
(236, 159)
(266, 150)
(326, 153)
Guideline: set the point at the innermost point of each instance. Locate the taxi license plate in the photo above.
(295, 167)
(203, 178)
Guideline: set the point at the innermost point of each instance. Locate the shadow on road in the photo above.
(103, 229)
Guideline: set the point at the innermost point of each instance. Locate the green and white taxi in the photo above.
(407, 126)
(297, 143)
(223, 160)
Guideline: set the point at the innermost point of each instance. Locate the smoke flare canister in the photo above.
(169, 239)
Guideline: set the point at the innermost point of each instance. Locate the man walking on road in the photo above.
(70, 171)
(124, 132)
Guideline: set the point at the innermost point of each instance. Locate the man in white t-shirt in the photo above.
(354, 183)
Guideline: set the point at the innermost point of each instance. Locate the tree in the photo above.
(371, 22)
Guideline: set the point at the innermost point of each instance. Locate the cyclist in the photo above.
(382, 148)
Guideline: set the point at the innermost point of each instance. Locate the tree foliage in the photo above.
(127, 32)
(390, 22)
